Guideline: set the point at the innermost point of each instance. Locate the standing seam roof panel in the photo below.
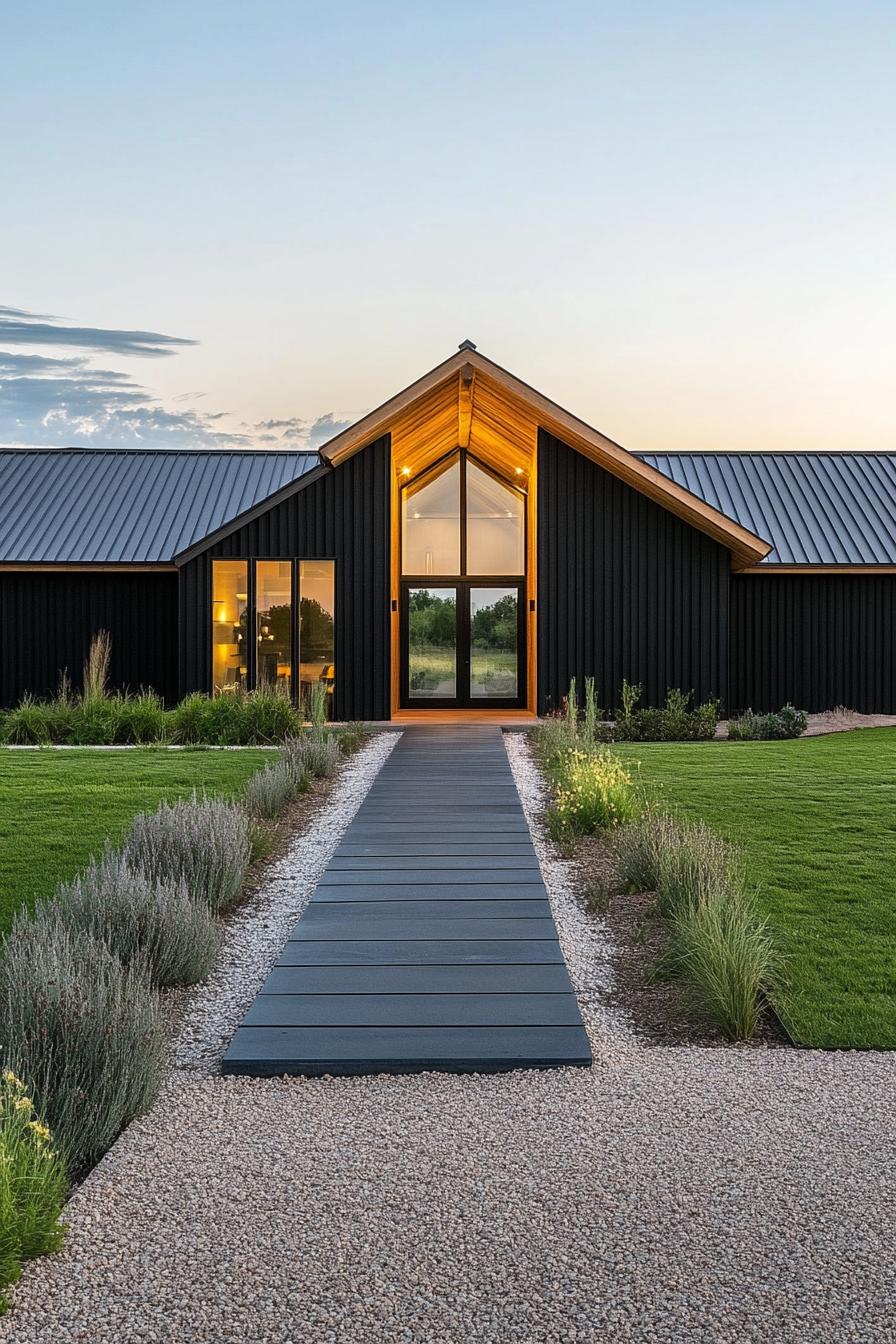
(99, 506)
(815, 508)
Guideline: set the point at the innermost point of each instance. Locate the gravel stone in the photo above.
(667, 1194)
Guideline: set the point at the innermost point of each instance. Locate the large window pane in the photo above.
(432, 643)
(496, 526)
(430, 523)
(494, 643)
(230, 644)
(273, 623)
(317, 628)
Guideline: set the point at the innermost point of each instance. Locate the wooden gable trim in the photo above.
(746, 548)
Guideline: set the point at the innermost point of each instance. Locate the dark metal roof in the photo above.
(815, 508)
(135, 506)
(139, 506)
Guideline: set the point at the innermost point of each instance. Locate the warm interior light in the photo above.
(405, 471)
(219, 614)
(518, 470)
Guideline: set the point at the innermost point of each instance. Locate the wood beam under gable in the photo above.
(466, 380)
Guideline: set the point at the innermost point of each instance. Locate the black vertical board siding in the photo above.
(48, 620)
(625, 588)
(342, 516)
(815, 640)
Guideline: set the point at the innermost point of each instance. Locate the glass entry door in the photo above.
(462, 645)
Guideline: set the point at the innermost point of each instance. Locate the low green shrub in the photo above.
(637, 849)
(189, 720)
(349, 736)
(260, 717)
(83, 1029)
(317, 705)
(262, 840)
(270, 715)
(316, 753)
(38, 722)
(33, 1183)
(94, 721)
(203, 842)
(270, 789)
(141, 718)
(156, 925)
(695, 867)
(553, 739)
(786, 723)
(674, 722)
(746, 727)
(293, 758)
(594, 791)
(724, 949)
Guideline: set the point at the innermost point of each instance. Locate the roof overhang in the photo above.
(745, 547)
(87, 567)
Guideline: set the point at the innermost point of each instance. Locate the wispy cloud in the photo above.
(20, 328)
(48, 399)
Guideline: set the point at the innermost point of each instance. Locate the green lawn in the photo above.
(817, 818)
(57, 807)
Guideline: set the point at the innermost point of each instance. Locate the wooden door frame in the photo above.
(463, 588)
(531, 589)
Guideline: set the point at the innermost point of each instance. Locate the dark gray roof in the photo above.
(139, 506)
(136, 506)
(815, 508)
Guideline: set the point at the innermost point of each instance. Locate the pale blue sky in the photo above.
(676, 219)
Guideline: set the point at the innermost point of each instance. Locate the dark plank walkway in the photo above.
(429, 942)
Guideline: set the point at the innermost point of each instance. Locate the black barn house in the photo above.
(468, 546)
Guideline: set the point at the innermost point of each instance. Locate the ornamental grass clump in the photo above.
(33, 1183)
(203, 842)
(151, 923)
(270, 789)
(317, 753)
(724, 949)
(38, 722)
(695, 867)
(595, 791)
(638, 848)
(85, 1031)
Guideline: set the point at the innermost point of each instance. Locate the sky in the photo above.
(235, 225)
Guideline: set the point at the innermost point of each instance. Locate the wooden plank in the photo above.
(320, 924)
(512, 908)
(314, 1051)
(438, 952)
(424, 863)
(441, 876)
(413, 1010)
(323, 980)
(425, 891)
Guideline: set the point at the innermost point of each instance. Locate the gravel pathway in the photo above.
(664, 1195)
